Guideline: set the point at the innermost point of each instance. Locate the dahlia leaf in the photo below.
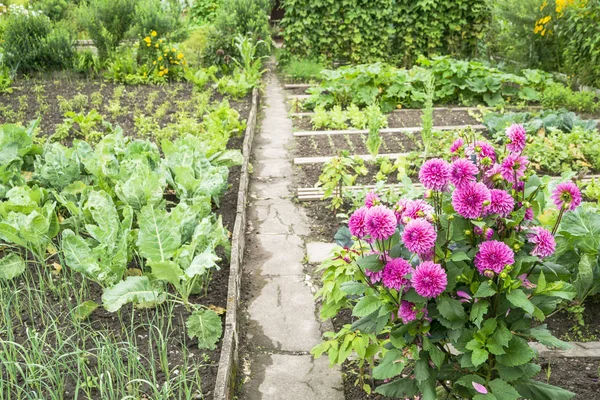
(531, 389)
(391, 365)
(517, 353)
(400, 388)
(451, 309)
(543, 335)
(519, 299)
(373, 263)
(366, 306)
(485, 290)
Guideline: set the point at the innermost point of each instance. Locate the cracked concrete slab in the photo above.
(276, 216)
(269, 259)
(319, 252)
(285, 311)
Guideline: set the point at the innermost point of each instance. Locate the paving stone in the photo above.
(575, 352)
(278, 215)
(277, 255)
(285, 312)
(590, 345)
(269, 188)
(319, 252)
(293, 377)
(273, 168)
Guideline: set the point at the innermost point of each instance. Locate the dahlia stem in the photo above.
(562, 211)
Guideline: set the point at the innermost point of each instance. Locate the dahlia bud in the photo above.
(486, 203)
(450, 217)
(488, 274)
(468, 232)
(508, 268)
(427, 194)
(503, 275)
(516, 246)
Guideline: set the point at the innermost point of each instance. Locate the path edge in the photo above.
(228, 362)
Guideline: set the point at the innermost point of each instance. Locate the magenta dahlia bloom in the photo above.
(493, 256)
(374, 276)
(429, 279)
(381, 222)
(501, 203)
(357, 223)
(566, 195)
(408, 311)
(418, 209)
(400, 207)
(486, 232)
(545, 245)
(492, 176)
(529, 214)
(483, 150)
(457, 146)
(372, 200)
(517, 138)
(470, 200)
(513, 167)
(435, 174)
(462, 172)
(395, 272)
(419, 236)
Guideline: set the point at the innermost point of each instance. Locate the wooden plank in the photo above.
(323, 160)
(298, 86)
(385, 130)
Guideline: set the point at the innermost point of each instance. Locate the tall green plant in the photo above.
(427, 117)
(107, 22)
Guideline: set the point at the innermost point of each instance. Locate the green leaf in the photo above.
(519, 299)
(437, 355)
(373, 263)
(543, 335)
(518, 352)
(459, 256)
(391, 365)
(366, 306)
(585, 275)
(531, 389)
(479, 356)
(485, 290)
(134, 289)
(167, 271)
(11, 266)
(451, 309)
(85, 309)
(202, 263)
(478, 310)
(511, 374)
(422, 369)
(400, 388)
(353, 287)
(206, 326)
(503, 390)
(159, 236)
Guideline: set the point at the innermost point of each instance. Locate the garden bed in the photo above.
(156, 337)
(116, 103)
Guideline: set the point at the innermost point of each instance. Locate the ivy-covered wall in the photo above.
(361, 31)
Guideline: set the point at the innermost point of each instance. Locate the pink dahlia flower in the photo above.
(529, 214)
(429, 279)
(501, 203)
(419, 236)
(372, 200)
(469, 200)
(527, 284)
(418, 209)
(457, 146)
(513, 167)
(435, 174)
(483, 150)
(462, 172)
(545, 245)
(408, 311)
(517, 138)
(487, 233)
(566, 195)
(381, 222)
(357, 223)
(400, 207)
(374, 276)
(492, 176)
(493, 256)
(395, 272)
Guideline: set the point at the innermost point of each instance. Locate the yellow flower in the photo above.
(174, 50)
(166, 71)
(153, 62)
(160, 58)
(161, 67)
(156, 45)
(544, 5)
(180, 56)
(153, 33)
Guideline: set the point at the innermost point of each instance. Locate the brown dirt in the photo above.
(564, 326)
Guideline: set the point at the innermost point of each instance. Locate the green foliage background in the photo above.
(362, 31)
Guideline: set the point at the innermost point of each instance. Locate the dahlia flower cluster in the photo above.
(487, 192)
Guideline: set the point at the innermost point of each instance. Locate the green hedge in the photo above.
(363, 31)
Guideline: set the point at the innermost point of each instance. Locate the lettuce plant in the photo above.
(449, 289)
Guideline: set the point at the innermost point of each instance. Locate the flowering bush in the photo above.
(450, 289)
(165, 61)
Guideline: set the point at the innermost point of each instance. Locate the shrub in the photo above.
(237, 17)
(362, 31)
(107, 22)
(558, 96)
(33, 42)
(159, 16)
(195, 44)
(54, 9)
(448, 289)
(204, 11)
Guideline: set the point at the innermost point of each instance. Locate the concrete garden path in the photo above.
(282, 324)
